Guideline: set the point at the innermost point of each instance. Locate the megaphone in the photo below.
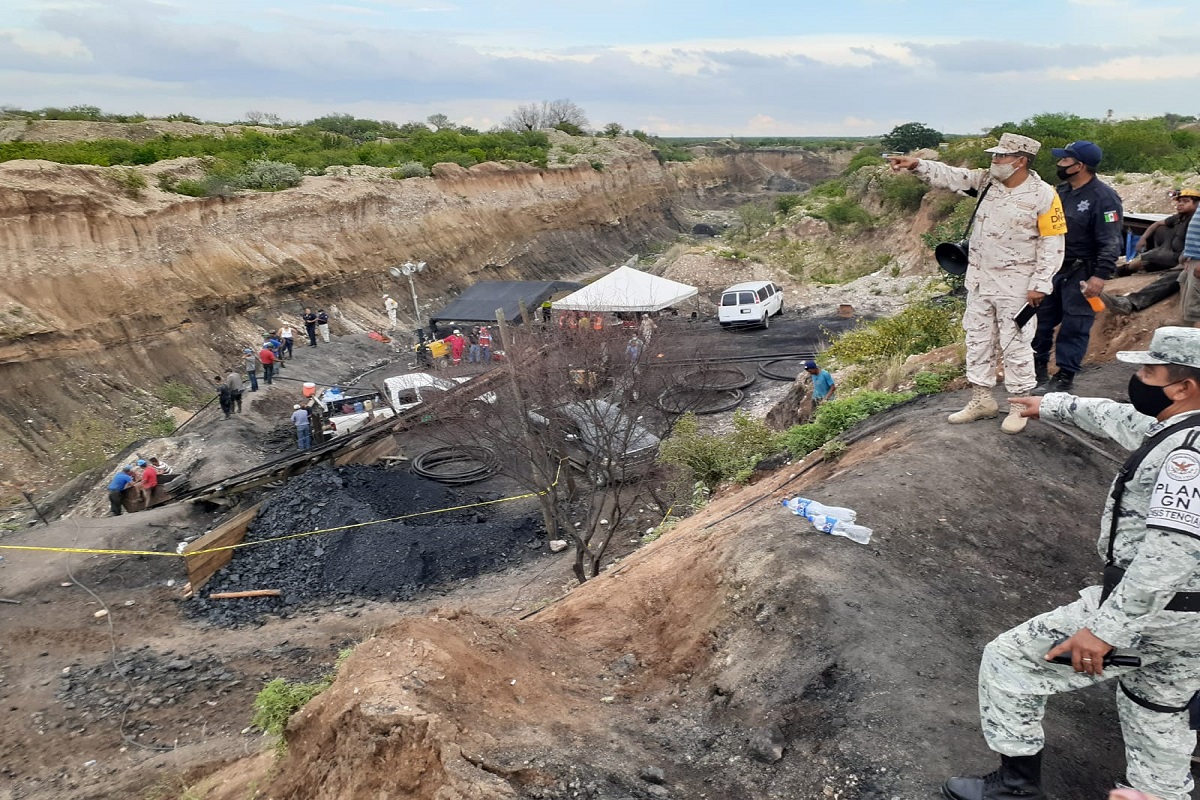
(952, 256)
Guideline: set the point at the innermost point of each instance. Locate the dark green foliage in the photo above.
(903, 192)
(866, 157)
(834, 188)
(936, 379)
(836, 417)
(911, 136)
(711, 458)
(569, 127)
(1132, 145)
(843, 212)
(613, 129)
(311, 148)
(787, 202)
(917, 329)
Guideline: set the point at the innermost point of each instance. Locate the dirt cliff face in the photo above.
(106, 295)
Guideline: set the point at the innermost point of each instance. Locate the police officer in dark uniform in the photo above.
(1093, 243)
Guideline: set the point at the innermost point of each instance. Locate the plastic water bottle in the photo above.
(803, 507)
(838, 527)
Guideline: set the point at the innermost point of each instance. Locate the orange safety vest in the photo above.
(597, 323)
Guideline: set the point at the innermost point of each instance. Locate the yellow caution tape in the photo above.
(239, 545)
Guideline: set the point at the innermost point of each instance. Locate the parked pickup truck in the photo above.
(404, 391)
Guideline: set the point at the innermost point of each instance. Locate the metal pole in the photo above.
(36, 510)
(416, 308)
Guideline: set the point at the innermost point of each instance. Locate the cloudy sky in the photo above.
(704, 67)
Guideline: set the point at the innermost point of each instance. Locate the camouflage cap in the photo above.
(1015, 143)
(1170, 345)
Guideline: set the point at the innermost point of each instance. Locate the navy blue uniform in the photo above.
(1093, 243)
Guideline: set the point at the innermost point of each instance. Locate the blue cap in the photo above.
(1083, 151)
(248, 351)
(141, 462)
(127, 468)
(810, 365)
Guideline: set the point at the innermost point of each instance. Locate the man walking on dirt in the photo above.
(1016, 247)
(1149, 602)
(1093, 243)
(251, 363)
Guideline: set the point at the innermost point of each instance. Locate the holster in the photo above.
(1112, 576)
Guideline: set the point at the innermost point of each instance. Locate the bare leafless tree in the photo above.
(547, 114)
(572, 417)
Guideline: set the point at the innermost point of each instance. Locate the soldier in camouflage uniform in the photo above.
(1016, 247)
(1152, 580)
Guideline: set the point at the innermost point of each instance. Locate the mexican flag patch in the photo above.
(1110, 216)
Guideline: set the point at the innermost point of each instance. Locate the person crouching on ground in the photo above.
(1017, 244)
(1149, 600)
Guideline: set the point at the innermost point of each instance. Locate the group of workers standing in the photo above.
(1053, 249)
(143, 476)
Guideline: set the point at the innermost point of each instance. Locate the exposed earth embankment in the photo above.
(106, 288)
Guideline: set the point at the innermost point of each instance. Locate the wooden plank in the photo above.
(251, 593)
(202, 567)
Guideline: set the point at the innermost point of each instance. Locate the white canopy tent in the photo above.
(627, 289)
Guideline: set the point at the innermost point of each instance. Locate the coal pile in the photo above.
(387, 561)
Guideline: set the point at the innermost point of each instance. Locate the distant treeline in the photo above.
(311, 148)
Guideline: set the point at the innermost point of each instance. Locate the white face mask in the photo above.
(1002, 172)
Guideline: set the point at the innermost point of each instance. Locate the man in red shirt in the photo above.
(268, 361)
(147, 482)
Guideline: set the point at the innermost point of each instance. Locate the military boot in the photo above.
(1014, 422)
(1019, 778)
(1119, 304)
(1041, 372)
(981, 406)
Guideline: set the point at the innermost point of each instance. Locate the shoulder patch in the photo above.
(1052, 221)
(1175, 502)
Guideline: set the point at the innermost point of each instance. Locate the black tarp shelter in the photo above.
(480, 301)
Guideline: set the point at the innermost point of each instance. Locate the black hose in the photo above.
(707, 379)
(766, 371)
(719, 401)
(473, 464)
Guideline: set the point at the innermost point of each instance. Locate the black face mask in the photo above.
(1148, 399)
(1062, 173)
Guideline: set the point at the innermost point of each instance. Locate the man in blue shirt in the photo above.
(823, 385)
(1189, 259)
(1093, 243)
(122, 481)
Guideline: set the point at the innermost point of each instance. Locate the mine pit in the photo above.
(388, 561)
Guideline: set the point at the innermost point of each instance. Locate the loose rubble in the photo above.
(391, 561)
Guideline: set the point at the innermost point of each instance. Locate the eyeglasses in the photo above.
(1004, 156)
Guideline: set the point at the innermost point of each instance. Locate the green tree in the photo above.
(911, 136)
(613, 129)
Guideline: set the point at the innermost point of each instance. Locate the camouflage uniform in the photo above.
(1015, 680)
(1008, 257)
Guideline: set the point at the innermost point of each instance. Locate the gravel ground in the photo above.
(393, 561)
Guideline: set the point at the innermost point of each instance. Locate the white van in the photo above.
(751, 303)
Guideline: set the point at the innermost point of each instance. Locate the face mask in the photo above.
(1147, 399)
(1063, 172)
(1002, 172)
